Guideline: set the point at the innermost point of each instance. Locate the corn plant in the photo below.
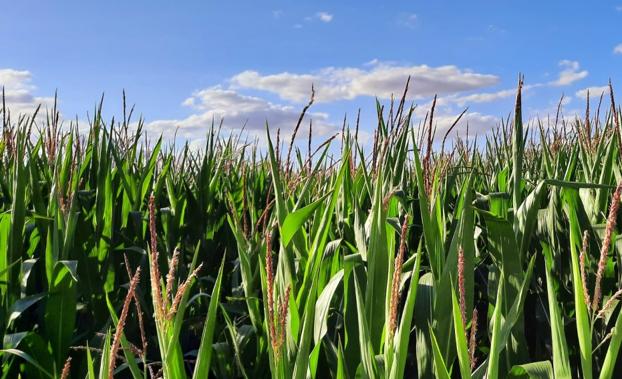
(123, 255)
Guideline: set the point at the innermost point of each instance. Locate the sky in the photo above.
(185, 64)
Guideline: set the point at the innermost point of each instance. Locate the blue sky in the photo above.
(185, 63)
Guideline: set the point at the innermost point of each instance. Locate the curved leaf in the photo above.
(322, 306)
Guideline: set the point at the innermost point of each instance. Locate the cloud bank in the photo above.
(19, 92)
(381, 80)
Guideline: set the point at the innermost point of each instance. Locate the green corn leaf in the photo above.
(402, 336)
(461, 341)
(378, 265)
(611, 358)
(322, 306)
(367, 351)
(90, 369)
(341, 367)
(502, 324)
(517, 149)
(534, 370)
(204, 355)
(584, 328)
(60, 310)
(27, 358)
(105, 358)
(308, 291)
(21, 306)
(496, 339)
(561, 363)
(294, 221)
(439, 364)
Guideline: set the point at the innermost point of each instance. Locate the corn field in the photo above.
(497, 257)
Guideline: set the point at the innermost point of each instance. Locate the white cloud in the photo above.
(618, 49)
(595, 91)
(378, 79)
(569, 74)
(445, 114)
(18, 89)
(408, 20)
(486, 97)
(277, 13)
(238, 111)
(477, 123)
(324, 16)
(496, 29)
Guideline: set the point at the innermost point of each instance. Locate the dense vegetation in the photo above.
(122, 255)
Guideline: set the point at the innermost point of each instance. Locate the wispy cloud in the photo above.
(618, 49)
(594, 91)
(324, 16)
(407, 20)
(496, 29)
(569, 74)
(486, 97)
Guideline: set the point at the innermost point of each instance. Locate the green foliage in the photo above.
(252, 269)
